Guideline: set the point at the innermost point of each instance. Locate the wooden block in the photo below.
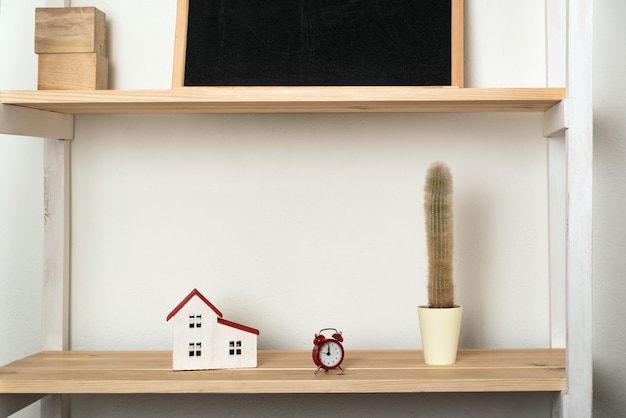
(84, 71)
(60, 30)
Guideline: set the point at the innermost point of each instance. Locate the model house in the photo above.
(204, 340)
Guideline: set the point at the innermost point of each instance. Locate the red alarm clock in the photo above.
(328, 353)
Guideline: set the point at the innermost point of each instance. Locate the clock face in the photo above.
(330, 354)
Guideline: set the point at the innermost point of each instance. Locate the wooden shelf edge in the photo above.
(366, 371)
(288, 100)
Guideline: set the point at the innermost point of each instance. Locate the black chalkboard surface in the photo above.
(317, 43)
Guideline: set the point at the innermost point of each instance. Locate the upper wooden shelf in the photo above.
(75, 372)
(288, 100)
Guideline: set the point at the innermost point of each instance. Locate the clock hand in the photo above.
(328, 353)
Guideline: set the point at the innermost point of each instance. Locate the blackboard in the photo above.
(319, 43)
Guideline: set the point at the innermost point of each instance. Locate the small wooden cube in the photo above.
(60, 30)
(84, 71)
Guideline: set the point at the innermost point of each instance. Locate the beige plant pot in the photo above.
(440, 328)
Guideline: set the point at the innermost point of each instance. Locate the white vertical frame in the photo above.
(56, 284)
(577, 401)
(56, 281)
(55, 306)
(554, 129)
(55, 294)
(570, 153)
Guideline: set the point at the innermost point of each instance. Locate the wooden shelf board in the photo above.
(288, 100)
(366, 371)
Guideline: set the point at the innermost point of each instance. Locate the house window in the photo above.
(234, 348)
(195, 349)
(195, 321)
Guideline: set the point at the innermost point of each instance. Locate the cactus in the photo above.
(439, 235)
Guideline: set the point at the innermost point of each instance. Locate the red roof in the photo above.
(238, 326)
(193, 293)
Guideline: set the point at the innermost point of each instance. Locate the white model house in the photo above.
(204, 340)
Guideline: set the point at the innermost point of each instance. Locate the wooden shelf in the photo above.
(76, 372)
(288, 100)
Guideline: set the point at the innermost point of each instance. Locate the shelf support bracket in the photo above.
(555, 121)
(11, 403)
(17, 120)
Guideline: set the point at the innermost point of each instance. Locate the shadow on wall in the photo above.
(472, 265)
(609, 266)
(511, 405)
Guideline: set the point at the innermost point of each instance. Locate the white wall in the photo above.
(281, 219)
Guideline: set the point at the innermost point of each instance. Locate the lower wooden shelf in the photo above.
(366, 371)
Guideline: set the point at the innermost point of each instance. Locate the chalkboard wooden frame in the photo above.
(456, 48)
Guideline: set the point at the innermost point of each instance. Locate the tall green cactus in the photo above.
(439, 235)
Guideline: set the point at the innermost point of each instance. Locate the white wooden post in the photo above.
(54, 326)
(570, 150)
(555, 126)
(577, 402)
(56, 283)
